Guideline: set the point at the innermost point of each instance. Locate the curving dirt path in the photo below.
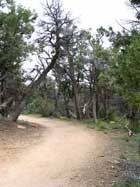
(66, 155)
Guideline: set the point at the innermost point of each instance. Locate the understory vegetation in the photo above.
(52, 67)
(130, 162)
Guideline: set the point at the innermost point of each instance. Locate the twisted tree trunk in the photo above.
(22, 103)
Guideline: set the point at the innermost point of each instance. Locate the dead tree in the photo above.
(51, 39)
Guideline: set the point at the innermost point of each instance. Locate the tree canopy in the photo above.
(75, 74)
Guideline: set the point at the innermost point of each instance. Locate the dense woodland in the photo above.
(75, 73)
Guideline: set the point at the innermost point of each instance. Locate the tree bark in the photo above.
(22, 103)
(94, 109)
(133, 120)
(93, 101)
(3, 100)
(66, 101)
(76, 101)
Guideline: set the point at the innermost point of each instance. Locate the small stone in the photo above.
(116, 162)
(101, 156)
(21, 127)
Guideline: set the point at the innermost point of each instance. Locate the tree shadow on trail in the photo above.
(16, 138)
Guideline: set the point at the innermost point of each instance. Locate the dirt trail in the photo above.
(67, 155)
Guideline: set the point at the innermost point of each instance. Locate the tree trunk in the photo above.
(97, 102)
(93, 102)
(2, 98)
(19, 108)
(94, 111)
(22, 103)
(133, 120)
(56, 102)
(66, 101)
(76, 101)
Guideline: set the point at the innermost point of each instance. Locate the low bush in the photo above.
(45, 107)
(126, 184)
(105, 125)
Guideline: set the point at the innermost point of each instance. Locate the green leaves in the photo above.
(136, 2)
(127, 71)
(16, 25)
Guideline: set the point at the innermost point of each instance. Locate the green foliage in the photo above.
(104, 125)
(131, 158)
(126, 184)
(46, 108)
(39, 105)
(127, 69)
(15, 30)
(110, 115)
(136, 2)
(133, 147)
(34, 105)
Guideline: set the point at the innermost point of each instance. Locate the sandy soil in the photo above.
(56, 154)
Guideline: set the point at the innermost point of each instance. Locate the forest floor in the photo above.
(56, 153)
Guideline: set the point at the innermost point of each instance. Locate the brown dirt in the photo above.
(56, 154)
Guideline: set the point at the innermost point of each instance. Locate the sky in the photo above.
(92, 13)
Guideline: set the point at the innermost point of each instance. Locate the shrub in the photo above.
(42, 106)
